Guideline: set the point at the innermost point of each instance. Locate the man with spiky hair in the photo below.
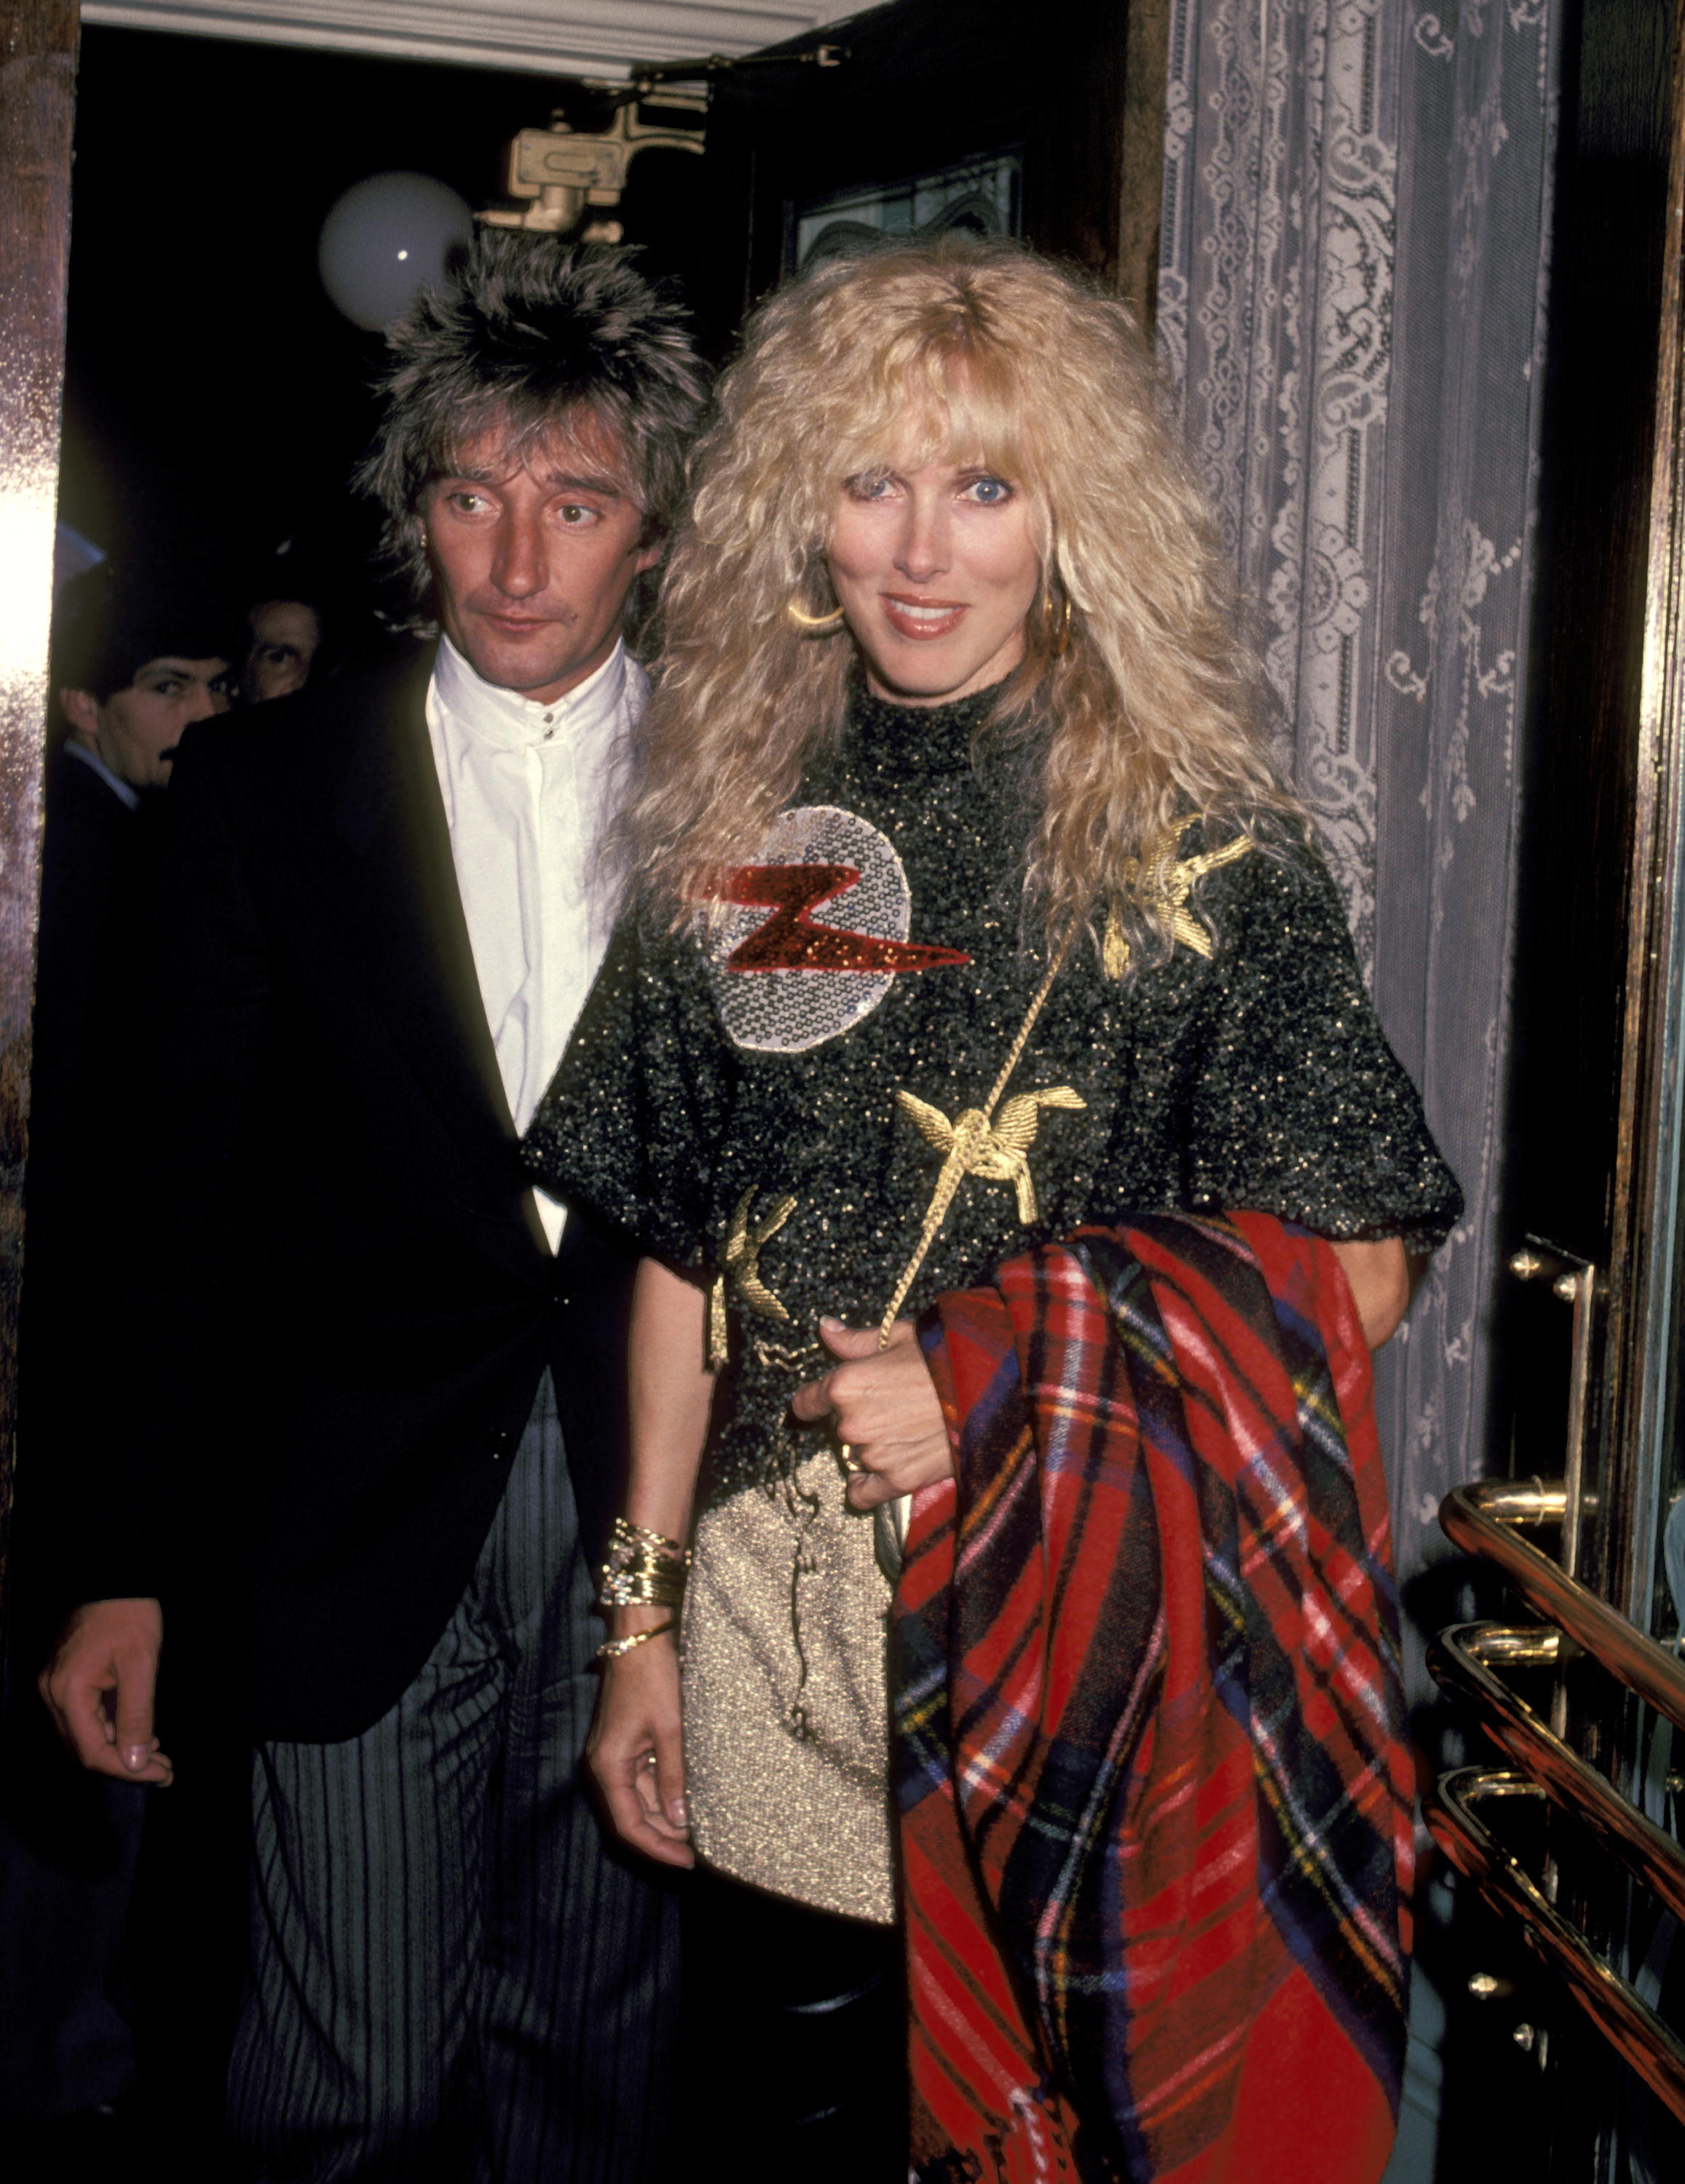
(383, 905)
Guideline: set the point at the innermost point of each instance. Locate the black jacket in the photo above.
(339, 1302)
(97, 854)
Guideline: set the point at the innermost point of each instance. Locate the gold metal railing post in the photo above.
(1631, 2028)
(1487, 1519)
(1461, 1661)
(1483, 1519)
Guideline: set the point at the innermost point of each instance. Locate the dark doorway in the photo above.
(212, 391)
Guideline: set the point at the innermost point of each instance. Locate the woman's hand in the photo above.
(885, 1408)
(636, 1751)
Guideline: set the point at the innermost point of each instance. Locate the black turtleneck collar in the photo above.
(907, 740)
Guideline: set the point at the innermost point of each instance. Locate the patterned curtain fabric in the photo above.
(1352, 295)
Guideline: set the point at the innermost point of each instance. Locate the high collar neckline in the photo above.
(512, 722)
(907, 740)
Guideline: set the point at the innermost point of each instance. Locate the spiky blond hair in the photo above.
(530, 336)
(981, 350)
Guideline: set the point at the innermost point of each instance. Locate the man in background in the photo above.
(284, 636)
(294, 607)
(127, 715)
(384, 904)
(137, 658)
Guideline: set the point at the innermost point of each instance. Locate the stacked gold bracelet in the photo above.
(612, 1648)
(643, 1569)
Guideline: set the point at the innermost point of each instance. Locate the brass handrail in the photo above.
(1633, 2030)
(1460, 1661)
(1482, 1520)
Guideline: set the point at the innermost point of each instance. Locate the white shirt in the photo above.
(527, 790)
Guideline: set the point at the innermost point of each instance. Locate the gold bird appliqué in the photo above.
(1162, 882)
(743, 1266)
(973, 1145)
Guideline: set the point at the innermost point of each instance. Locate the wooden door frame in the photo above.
(37, 106)
(1645, 1248)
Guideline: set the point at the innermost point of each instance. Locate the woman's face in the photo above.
(935, 570)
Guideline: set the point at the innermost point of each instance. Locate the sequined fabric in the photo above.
(786, 1712)
(1259, 1077)
(1255, 1077)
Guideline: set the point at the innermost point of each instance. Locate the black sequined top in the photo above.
(698, 1094)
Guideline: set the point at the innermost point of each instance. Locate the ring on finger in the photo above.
(851, 1462)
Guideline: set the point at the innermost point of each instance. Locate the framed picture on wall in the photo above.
(979, 197)
(993, 118)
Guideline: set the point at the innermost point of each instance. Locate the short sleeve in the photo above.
(1297, 1104)
(631, 1123)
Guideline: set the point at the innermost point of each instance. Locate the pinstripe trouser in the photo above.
(452, 1977)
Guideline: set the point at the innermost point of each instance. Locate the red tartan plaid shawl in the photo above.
(1154, 1792)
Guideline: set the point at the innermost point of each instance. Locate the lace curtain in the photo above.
(1352, 299)
(1351, 290)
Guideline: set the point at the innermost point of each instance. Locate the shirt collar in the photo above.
(124, 791)
(514, 722)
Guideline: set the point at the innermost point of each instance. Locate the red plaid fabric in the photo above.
(1155, 1796)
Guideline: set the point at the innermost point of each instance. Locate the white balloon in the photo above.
(384, 238)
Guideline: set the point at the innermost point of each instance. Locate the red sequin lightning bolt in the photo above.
(789, 940)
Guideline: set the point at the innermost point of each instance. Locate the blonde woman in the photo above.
(969, 907)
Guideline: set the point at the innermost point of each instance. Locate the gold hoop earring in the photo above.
(817, 623)
(1058, 626)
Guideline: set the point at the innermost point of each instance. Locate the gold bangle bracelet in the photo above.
(612, 1648)
(643, 1569)
(662, 1586)
(629, 1538)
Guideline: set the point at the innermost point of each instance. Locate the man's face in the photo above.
(532, 561)
(285, 635)
(134, 732)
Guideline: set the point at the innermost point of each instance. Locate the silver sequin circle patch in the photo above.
(788, 1011)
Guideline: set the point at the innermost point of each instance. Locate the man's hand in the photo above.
(636, 1751)
(885, 1411)
(98, 1687)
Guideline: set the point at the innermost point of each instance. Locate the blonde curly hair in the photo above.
(977, 351)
